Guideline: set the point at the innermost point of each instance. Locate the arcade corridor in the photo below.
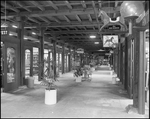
(42, 41)
(96, 99)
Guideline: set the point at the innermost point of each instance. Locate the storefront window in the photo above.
(27, 62)
(35, 61)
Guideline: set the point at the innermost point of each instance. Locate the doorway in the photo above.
(10, 66)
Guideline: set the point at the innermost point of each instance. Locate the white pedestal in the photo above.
(78, 79)
(50, 96)
(113, 80)
(60, 74)
(30, 82)
(111, 72)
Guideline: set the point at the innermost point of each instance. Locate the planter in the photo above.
(60, 74)
(78, 79)
(30, 82)
(50, 96)
(113, 80)
(111, 72)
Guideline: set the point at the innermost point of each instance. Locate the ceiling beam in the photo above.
(89, 16)
(78, 18)
(84, 28)
(53, 5)
(6, 17)
(45, 20)
(93, 28)
(71, 3)
(37, 5)
(88, 31)
(20, 4)
(82, 41)
(72, 24)
(34, 20)
(68, 4)
(67, 19)
(55, 19)
(8, 6)
(73, 31)
(64, 12)
(96, 15)
(80, 37)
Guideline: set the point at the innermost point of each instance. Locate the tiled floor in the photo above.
(96, 99)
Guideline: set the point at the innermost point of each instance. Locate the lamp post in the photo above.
(131, 10)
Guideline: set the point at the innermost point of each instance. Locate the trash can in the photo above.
(30, 83)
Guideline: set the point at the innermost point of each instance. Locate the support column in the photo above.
(20, 31)
(73, 58)
(41, 38)
(31, 62)
(114, 60)
(141, 78)
(63, 57)
(48, 60)
(69, 59)
(54, 59)
(118, 60)
(121, 64)
(139, 74)
(126, 64)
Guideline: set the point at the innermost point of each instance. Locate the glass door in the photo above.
(2, 65)
(11, 67)
(27, 63)
(60, 63)
(36, 63)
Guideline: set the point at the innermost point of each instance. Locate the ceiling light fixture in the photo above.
(4, 25)
(33, 33)
(92, 36)
(25, 38)
(14, 26)
(96, 42)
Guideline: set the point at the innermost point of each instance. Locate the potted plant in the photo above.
(86, 70)
(78, 74)
(50, 90)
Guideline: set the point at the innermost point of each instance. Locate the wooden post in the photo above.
(63, 57)
(20, 31)
(48, 61)
(118, 59)
(114, 60)
(31, 62)
(41, 37)
(69, 59)
(126, 64)
(139, 73)
(141, 78)
(58, 61)
(121, 64)
(54, 59)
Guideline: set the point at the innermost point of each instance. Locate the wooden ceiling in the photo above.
(72, 21)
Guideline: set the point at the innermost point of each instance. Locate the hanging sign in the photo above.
(4, 32)
(110, 40)
(80, 51)
(107, 53)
